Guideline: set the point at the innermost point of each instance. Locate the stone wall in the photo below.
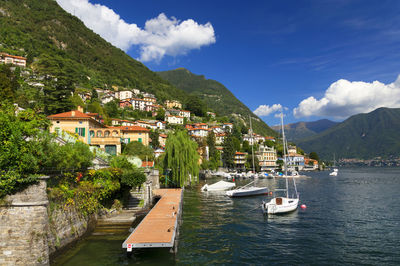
(66, 226)
(30, 232)
(24, 226)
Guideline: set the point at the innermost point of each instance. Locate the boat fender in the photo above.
(303, 206)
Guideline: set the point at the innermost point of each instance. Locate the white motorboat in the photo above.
(278, 205)
(219, 186)
(334, 172)
(247, 190)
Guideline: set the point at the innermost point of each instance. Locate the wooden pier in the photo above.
(160, 226)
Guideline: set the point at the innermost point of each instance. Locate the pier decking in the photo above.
(159, 227)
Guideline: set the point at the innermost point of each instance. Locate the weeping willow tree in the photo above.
(181, 158)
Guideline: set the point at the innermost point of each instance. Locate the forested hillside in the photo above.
(59, 44)
(301, 130)
(362, 136)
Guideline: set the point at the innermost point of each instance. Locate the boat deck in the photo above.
(159, 227)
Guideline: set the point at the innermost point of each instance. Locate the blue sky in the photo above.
(318, 59)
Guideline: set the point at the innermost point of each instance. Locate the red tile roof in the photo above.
(148, 164)
(132, 128)
(70, 114)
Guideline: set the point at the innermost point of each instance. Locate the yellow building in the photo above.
(173, 104)
(89, 130)
(133, 133)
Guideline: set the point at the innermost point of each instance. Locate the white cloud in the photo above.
(344, 98)
(265, 110)
(161, 35)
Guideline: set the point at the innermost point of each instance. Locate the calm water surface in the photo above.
(353, 218)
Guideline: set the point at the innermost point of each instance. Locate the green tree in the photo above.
(155, 143)
(160, 114)
(131, 175)
(112, 108)
(181, 158)
(229, 151)
(77, 101)
(195, 105)
(57, 96)
(95, 96)
(314, 156)
(137, 148)
(20, 149)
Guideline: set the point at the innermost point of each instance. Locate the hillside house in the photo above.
(228, 127)
(125, 104)
(170, 104)
(172, 119)
(12, 59)
(184, 113)
(219, 138)
(162, 139)
(123, 95)
(134, 133)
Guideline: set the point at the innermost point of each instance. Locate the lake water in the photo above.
(353, 218)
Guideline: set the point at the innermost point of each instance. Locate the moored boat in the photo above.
(219, 186)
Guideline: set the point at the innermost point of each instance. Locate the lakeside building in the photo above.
(310, 164)
(239, 160)
(170, 104)
(295, 160)
(12, 59)
(267, 158)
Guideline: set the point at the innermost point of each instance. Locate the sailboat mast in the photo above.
(252, 141)
(284, 155)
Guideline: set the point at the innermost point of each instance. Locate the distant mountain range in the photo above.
(362, 136)
(217, 97)
(301, 130)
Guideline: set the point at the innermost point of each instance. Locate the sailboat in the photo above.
(284, 204)
(335, 170)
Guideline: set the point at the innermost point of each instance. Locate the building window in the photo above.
(58, 122)
(80, 131)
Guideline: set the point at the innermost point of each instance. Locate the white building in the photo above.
(228, 127)
(219, 138)
(123, 95)
(172, 119)
(199, 132)
(107, 98)
(184, 113)
(12, 59)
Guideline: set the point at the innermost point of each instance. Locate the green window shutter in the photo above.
(83, 132)
(140, 139)
(77, 130)
(129, 140)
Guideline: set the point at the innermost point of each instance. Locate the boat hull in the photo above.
(280, 205)
(247, 192)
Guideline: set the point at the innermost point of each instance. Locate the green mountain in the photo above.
(301, 130)
(216, 96)
(362, 136)
(59, 44)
